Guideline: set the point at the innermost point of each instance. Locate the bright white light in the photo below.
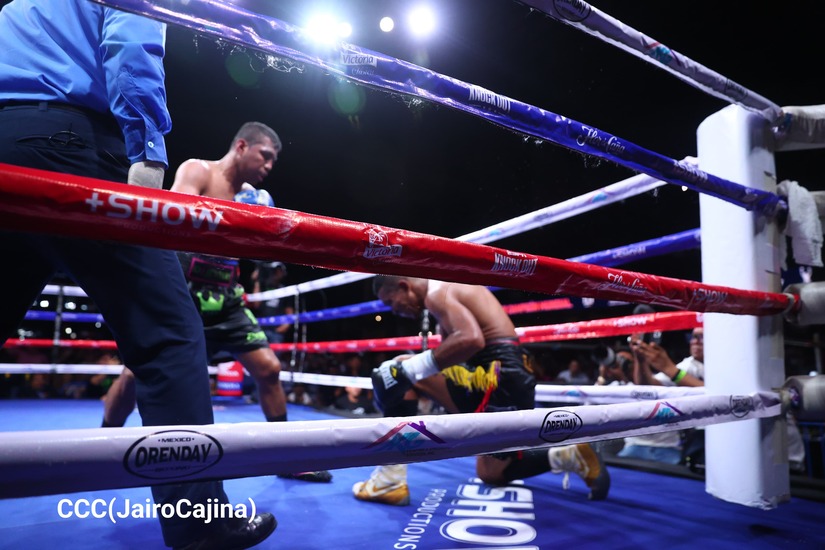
(44, 303)
(684, 188)
(344, 29)
(386, 24)
(422, 21)
(71, 306)
(323, 28)
(68, 330)
(378, 318)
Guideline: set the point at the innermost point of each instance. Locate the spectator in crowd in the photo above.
(574, 374)
(354, 400)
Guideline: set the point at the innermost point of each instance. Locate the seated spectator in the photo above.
(354, 400)
(573, 375)
(39, 386)
(299, 395)
(616, 369)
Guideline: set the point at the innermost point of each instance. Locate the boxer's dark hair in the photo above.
(380, 281)
(254, 132)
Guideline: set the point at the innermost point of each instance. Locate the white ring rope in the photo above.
(63, 461)
(602, 395)
(589, 395)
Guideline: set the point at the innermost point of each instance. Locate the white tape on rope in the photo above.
(64, 461)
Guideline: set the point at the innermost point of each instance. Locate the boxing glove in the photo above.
(389, 384)
(250, 195)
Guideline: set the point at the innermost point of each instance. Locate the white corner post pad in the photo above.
(420, 366)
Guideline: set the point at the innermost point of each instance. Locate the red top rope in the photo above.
(49, 202)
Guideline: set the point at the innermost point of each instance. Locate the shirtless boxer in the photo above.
(213, 281)
(479, 367)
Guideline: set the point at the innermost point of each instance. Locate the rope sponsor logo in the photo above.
(409, 439)
(572, 10)
(513, 264)
(616, 280)
(663, 412)
(379, 245)
(709, 297)
(152, 210)
(560, 425)
(741, 405)
(689, 173)
(593, 138)
(363, 71)
(634, 321)
(113, 510)
(358, 58)
(172, 454)
(629, 251)
(644, 395)
(659, 52)
(569, 328)
(487, 98)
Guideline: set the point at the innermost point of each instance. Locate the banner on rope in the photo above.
(49, 202)
(65, 461)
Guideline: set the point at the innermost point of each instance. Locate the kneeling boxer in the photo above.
(478, 367)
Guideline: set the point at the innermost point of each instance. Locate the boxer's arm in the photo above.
(191, 177)
(463, 337)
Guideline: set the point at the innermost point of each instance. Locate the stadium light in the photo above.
(386, 24)
(421, 20)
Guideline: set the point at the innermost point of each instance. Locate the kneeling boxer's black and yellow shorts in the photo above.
(498, 378)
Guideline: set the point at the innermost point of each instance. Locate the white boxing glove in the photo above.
(146, 173)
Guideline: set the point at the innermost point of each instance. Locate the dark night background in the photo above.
(431, 169)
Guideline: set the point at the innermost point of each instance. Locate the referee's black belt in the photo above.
(46, 105)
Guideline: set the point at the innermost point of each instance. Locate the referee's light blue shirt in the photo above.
(81, 53)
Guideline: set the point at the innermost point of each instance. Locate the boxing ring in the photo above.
(742, 406)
